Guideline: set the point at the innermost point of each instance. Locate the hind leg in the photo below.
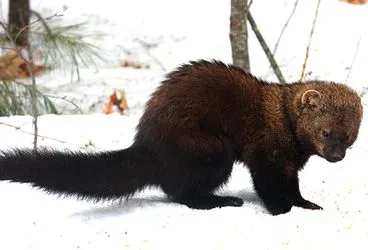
(195, 176)
(200, 196)
(198, 165)
(195, 189)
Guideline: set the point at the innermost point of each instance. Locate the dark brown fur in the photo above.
(203, 118)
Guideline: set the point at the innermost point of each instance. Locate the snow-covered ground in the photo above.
(178, 31)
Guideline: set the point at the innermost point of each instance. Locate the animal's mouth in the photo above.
(335, 156)
(333, 160)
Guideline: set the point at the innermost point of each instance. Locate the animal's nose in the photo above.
(337, 156)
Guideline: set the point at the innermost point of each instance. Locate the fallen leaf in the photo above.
(13, 66)
(117, 99)
(355, 2)
(132, 64)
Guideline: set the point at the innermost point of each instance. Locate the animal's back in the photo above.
(202, 97)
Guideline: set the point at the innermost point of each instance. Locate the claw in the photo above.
(307, 205)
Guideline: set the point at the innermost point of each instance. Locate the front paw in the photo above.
(307, 204)
(280, 207)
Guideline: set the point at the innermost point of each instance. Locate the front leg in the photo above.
(278, 187)
(274, 189)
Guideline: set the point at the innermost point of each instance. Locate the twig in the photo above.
(250, 4)
(41, 136)
(41, 20)
(5, 30)
(266, 49)
(353, 61)
(33, 79)
(64, 98)
(33, 97)
(147, 47)
(302, 76)
(49, 33)
(284, 28)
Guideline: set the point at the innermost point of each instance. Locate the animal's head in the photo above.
(329, 118)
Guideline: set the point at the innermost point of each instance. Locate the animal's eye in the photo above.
(326, 133)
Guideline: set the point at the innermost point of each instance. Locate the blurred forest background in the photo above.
(34, 44)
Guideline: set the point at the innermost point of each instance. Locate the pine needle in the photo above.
(15, 99)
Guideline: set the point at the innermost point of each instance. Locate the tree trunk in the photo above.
(239, 33)
(19, 13)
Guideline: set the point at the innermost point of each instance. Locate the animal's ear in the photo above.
(311, 98)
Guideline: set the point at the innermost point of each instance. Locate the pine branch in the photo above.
(41, 20)
(63, 46)
(34, 89)
(15, 99)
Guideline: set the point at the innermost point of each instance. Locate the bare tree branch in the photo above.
(33, 79)
(147, 47)
(354, 57)
(6, 32)
(302, 76)
(266, 49)
(40, 20)
(64, 98)
(41, 136)
(33, 96)
(284, 28)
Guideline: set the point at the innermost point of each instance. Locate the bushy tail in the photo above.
(96, 176)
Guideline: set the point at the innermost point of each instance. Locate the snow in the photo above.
(178, 31)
